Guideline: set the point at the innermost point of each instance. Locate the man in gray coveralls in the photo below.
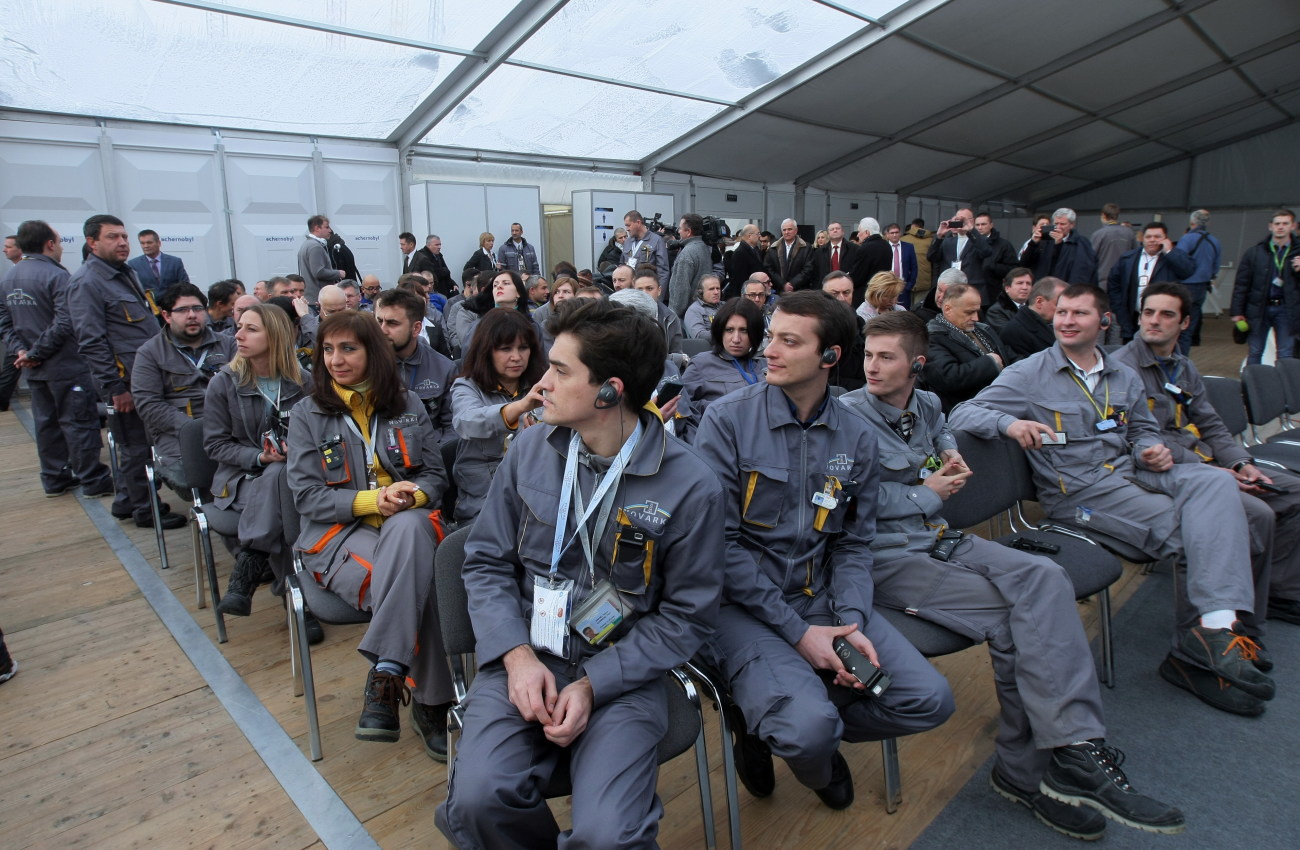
(1051, 756)
(559, 680)
(1100, 464)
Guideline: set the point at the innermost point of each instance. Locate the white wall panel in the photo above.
(363, 207)
(177, 194)
(457, 213)
(62, 184)
(271, 199)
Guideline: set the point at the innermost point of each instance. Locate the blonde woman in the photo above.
(482, 259)
(883, 291)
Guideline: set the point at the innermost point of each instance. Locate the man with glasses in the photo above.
(370, 288)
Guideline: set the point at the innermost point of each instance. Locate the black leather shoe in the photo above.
(169, 520)
(431, 722)
(753, 758)
(839, 793)
(1210, 689)
(379, 720)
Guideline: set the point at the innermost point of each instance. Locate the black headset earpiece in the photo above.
(829, 357)
(917, 366)
(1105, 321)
(608, 396)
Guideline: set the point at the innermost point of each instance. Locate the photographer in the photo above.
(693, 261)
(172, 371)
(957, 244)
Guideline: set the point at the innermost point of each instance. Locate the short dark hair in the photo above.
(468, 273)
(836, 323)
(957, 290)
(901, 323)
(1045, 287)
(295, 277)
(984, 214)
(766, 234)
(33, 235)
(634, 215)
(498, 327)
(176, 292)
(918, 222)
(223, 290)
(408, 301)
(564, 267)
(695, 222)
(1155, 225)
(386, 392)
(143, 233)
(891, 226)
(645, 270)
(1283, 212)
(406, 236)
(316, 221)
(614, 341)
(747, 310)
(1018, 271)
(1110, 211)
(96, 223)
(409, 280)
(1176, 290)
(1079, 290)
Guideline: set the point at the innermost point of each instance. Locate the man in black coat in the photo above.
(837, 255)
(1002, 258)
(1030, 330)
(789, 262)
(1266, 294)
(1061, 252)
(873, 256)
(964, 247)
(745, 260)
(1157, 261)
(965, 355)
(430, 259)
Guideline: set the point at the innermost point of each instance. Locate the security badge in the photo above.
(825, 501)
(1116, 418)
(930, 467)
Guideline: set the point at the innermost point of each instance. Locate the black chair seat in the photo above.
(692, 347)
(1090, 567)
(1125, 550)
(930, 639)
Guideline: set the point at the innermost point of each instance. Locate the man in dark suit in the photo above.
(429, 259)
(873, 256)
(157, 270)
(745, 260)
(789, 262)
(902, 262)
(1001, 259)
(1030, 329)
(965, 247)
(837, 255)
(1157, 261)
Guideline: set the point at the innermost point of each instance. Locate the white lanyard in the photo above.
(566, 495)
(371, 445)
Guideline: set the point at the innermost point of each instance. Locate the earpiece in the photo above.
(917, 366)
(1105, 321)
(608, 396)
(829, 357)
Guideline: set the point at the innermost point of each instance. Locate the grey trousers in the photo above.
(389, 572)
(1023, 605)
(68, 439)
(799, 713)
(260, 525)
(1195, 517)
(132, 455)
(495, 790)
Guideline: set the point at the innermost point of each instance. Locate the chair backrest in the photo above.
(450, 495)
(693, 346)
(1289, 369)
(1224, 395)
(453, 602)
(290, 519)
(1264, 392)
(1020, 472)
(197, 467)
(991, 489)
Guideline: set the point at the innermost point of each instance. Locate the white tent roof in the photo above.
(975, 99)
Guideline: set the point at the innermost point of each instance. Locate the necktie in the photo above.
(154, 262)
(898, 261)
(835, 258)
(406, 263)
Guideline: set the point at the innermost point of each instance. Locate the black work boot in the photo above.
(1089, 774)
(431, 722)
(838, 794)
(237, 601)
(379, 720)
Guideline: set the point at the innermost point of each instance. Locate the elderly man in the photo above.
(873, 256)
(934, 301)
(351, 294)
(332, 300)
(965, 355)
(789, 262)
(1060, 252)
(743, 260)
(958, 244)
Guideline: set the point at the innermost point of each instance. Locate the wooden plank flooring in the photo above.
(113, 739)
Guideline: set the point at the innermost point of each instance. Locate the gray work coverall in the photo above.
(484, 438)
(387, 571)
(1094, 482)
(709, 377)
(1195, 434)
(429, 375)
(112, 320)
(169, 383)
(790, 565)
(234, 420)
(671, 585)
(1020, 603)
(63, 399)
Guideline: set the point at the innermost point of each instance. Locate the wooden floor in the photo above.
(113, 739)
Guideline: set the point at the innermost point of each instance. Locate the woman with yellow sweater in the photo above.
(364, 467)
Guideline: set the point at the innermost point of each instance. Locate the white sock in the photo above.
(1218, 619)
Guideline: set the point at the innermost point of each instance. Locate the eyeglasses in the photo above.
(197, 308)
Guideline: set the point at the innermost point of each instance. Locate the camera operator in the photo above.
(693, 261)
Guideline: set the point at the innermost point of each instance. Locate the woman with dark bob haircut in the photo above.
(491, 400)
(364, 467)
(737, 332)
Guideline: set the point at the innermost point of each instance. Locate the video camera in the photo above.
(655, 225)
(714, 231)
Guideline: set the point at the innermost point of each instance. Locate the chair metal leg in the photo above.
(701, 763)
(295, 668)
(893, 781)
(155, 508)
(200, 598)
(729, 779)
(298, 608)
(1107, 641)
(205, 536)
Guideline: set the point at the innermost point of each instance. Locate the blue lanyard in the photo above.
(566, 492)
(750, 377)
(1178, 368)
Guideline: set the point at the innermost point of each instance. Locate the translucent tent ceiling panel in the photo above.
(518, 109)
(455, 23)
(724, 49)
(140, 60)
